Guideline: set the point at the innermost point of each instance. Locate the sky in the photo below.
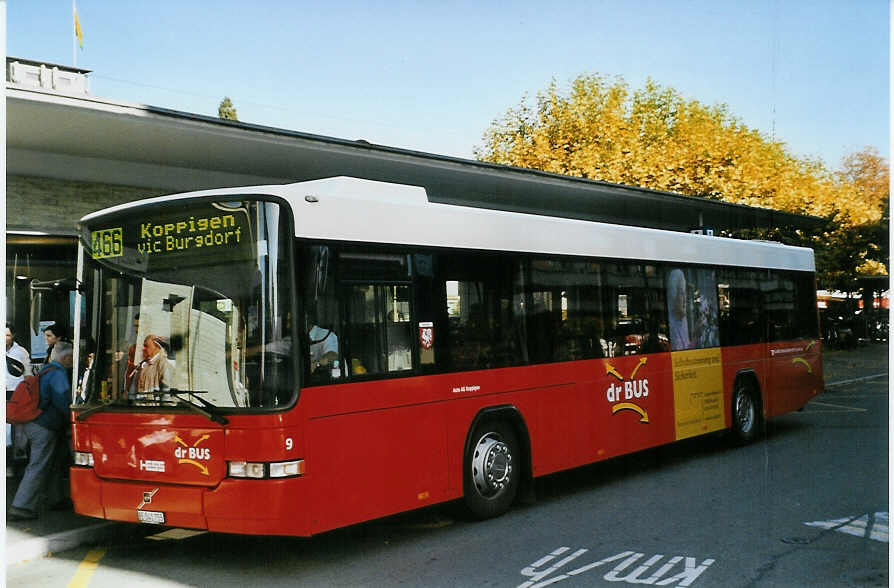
(432, 75)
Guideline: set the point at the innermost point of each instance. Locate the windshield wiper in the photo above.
(84, 413)
(206, 409)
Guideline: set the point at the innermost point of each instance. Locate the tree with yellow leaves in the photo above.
(655, 138)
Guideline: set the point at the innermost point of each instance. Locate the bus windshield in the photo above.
(188, 302)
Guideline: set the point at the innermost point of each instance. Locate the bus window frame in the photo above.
(287, 230)
(336, 249)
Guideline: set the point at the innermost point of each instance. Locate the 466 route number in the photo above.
(107, 243)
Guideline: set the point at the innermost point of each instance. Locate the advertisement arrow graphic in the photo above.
(630, 406)
(610, 370)
(642, 362)
(202, 468)
(803, 361)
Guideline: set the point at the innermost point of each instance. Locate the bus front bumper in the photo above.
(254, 507)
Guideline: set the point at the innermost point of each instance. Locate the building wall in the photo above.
(55, 206)
(49, 206)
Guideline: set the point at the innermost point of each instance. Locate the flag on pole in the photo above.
(78, 33)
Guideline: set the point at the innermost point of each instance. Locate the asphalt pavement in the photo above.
(865, 361)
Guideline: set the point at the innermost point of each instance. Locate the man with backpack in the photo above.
(43, 433)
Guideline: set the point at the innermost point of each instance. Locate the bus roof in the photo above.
(366, 211)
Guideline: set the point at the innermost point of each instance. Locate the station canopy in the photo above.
(82, 138)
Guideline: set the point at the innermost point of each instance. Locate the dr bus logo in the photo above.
(202, 453)
(193, 454)
(628, 390)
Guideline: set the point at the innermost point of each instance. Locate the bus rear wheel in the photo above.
(746, 413)
(493, 470)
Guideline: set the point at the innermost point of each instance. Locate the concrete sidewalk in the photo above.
(56, 531)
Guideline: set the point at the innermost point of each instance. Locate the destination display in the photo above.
(172, 235)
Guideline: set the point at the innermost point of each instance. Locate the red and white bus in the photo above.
(291, 359)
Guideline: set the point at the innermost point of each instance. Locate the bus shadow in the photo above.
(657, 459)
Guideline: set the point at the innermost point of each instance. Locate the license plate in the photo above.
(152, 517)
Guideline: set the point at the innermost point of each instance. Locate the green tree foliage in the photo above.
(655, 138)
(226, 110)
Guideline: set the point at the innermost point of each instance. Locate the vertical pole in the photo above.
(79, 276)
(3, 302)
(7, 430)
(74, 35)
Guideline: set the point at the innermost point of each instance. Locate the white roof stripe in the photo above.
(352, 209)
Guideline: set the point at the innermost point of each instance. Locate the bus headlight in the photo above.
(287, 469)
(84, 459)
(246, 469)
(259, 470)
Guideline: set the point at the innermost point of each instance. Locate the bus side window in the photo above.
(564, 310)
(321, 320)
(790, 302)
(805, 305)
(740, 307)
(779, 301)
(635, 309)
(485, 311)
(378, 331)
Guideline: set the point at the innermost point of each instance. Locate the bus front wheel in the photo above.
(493, 470)
(746, 412)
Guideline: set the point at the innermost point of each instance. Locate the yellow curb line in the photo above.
(87, 567)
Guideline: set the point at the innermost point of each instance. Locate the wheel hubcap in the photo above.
(744, 411)
(491, 465)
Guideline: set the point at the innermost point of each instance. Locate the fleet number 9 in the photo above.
(289, 444)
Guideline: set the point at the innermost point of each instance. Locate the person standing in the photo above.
(53, 334)
(43, 434)
(18, 365)
(154, 373)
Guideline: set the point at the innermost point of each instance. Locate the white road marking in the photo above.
(870, 526)
(855, 380)
(836, 407)
(684, 577)
(855, 394)
(176, 534)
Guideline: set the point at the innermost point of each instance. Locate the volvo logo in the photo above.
(147, 498)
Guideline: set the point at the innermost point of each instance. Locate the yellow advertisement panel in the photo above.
(698, 391)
